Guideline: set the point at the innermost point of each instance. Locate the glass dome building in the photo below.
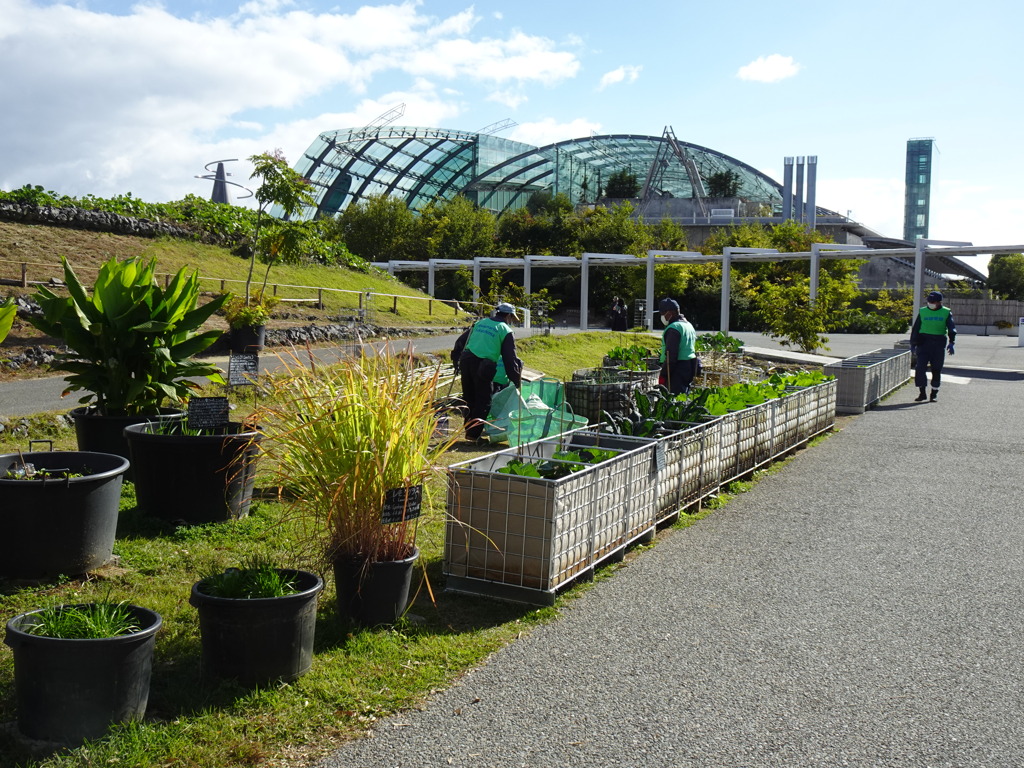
(420, 165)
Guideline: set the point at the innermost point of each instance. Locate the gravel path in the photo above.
(862, 607)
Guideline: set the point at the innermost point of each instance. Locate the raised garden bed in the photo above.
(523, 537)
(866, 379)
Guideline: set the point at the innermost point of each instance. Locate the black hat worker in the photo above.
(934, 324)
(678, 349)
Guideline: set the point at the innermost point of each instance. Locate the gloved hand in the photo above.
(951, 350)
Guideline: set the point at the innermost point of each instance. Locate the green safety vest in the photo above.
(486, 337)
(933, 321)
(687, 340)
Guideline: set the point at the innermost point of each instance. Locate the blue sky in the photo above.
(109, 97)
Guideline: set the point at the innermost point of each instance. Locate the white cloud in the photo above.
(627, 74)
(549, 131)
(140, 101)
(769, 69)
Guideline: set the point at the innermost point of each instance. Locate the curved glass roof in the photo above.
(420, 165)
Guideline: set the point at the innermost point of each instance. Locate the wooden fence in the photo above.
(971, 311)
(358, 303)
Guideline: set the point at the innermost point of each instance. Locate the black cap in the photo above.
(669, 304)
(934, 296)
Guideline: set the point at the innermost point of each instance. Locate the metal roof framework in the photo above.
(420, 165)
(938, 254)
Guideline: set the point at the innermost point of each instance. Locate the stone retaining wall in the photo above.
(93, 221)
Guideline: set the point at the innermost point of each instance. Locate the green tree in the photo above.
(454, 229)
(1006, 275)
(622, 184)
(277, 240)
(723, 184)
(789, 315)
(379, 228)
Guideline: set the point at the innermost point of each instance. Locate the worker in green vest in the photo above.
(934, 324)
(678, 349)
(490, 340)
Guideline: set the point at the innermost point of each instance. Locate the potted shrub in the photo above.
(194, 474)
(58, 512)
(274, 240)
(131, 346)
(257, 622)
(352, 446)
(80, 668)
(247, 320)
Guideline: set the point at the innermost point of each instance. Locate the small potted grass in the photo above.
(80, 668)
(257, 622)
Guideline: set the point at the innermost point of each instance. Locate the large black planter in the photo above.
(59, 525)
(372, 594)
(105, 434)
(67, 691)
(194, 478)
(260, 640)
(250, 338)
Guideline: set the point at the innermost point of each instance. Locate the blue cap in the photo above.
(934, 296)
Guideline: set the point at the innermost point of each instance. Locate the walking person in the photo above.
(678, 349)
(489, 341)
(934, 324)
(618, 315)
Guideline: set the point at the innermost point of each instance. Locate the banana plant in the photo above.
(131, 342)
(8, 310)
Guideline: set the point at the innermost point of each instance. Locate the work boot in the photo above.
(921, 397)
(934, 397)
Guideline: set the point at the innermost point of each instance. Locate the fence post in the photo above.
(430, 307)
(223, 285)
(24, 275)
(275, 289)
(394, 305)
(319, 298)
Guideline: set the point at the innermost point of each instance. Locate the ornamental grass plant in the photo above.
(340, 438)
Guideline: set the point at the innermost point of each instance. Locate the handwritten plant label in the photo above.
(243, 368)
(402, 504)
(208, 412)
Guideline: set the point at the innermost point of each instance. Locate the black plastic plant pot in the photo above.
(261, 640)
(67, 691)
(105, 434)
(373, 594)
(249, 338)
(194, 478)
(59, 525)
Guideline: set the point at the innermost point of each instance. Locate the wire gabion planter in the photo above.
(523, 538)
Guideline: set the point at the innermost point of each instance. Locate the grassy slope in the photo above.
(41, 247)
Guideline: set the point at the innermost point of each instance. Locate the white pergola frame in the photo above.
(923, 249)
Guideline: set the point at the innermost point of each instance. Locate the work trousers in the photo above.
(679, 375)
(931, 350)
(477, 390)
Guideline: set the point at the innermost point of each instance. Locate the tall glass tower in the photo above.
(916, 207)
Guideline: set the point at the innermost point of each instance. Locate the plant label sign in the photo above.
(243, 368)
(208, 412)
(659, 457)
(402, 504)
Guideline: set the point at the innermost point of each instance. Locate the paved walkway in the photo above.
(861, 607)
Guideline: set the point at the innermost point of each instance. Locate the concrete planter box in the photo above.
(865, 379)
(523, 538)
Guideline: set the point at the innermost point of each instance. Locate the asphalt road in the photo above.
(23, 397)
